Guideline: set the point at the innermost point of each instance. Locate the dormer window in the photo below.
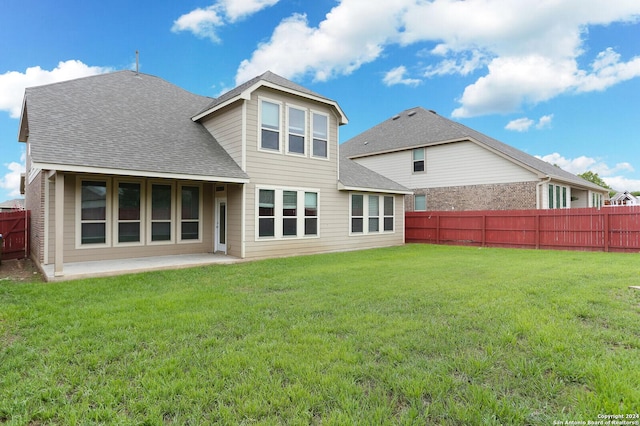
(270, 125)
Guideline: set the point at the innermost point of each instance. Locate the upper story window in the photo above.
(270, 125)
(320, 135)
(418, 160)
(297, 119)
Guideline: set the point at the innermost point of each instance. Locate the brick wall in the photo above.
(509, 196)
(34, 201)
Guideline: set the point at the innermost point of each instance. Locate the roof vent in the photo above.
(411, 113)
(395, 117)
(366, 142)
(433, 112)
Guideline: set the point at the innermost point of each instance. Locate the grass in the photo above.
(408, 335)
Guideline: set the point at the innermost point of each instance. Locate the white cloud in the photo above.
(13, 83)
(201, 22)
(204, 22)
(397, 76)
(524, 124)
(11, 180)
(520, 124)
(354, 33)
(544, 122)
(611, 175)
(528, 49)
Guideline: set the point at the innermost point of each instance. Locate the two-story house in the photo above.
(450, 166)
(127, 165)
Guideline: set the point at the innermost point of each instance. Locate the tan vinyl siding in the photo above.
(447, 165)
(282, 171)
(226, 127)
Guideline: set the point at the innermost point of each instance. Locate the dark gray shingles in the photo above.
(354, 175)
(268, 77)
(127, 121)
(417, 127)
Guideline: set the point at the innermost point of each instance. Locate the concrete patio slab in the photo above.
(105, 268)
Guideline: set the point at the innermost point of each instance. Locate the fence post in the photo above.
(605, 218)
(484, 230)
(537, 230)
(438, 229)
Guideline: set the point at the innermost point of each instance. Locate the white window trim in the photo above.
(262, 99)
(108, 217)
(365, 214)
(551, 204)
(305, 131)
(312, 137)
(424, 161)
(278, 216)
(116, 206)
(178, 219)
(149, 210)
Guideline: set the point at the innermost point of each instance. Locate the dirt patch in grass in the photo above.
(19, 270)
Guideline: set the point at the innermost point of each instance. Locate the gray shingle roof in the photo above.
(268, 77)
(417, 127)
(126, 121)
(356, 176)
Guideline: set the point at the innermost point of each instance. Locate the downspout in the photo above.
(538, 193)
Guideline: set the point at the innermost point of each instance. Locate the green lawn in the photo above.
(417, 334)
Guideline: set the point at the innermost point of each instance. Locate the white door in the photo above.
(221, 225)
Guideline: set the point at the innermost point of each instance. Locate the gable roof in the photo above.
(123, 123)
(418, 127)
(267, 79)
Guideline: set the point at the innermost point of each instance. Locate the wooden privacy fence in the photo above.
(614, 229)
(14, 229)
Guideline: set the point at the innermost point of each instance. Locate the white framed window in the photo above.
(369, 209)
(160, 213)
(296, 130)
(284, 213)
(93, 207)
(320, 142)
(270, 125)
(190, 213)
(389, 213)
(129, 204)
(310, 213)
(419, 203)
(418, 160)
(558, 196)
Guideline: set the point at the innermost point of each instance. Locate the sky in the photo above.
(558, 79)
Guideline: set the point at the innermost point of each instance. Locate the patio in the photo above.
(105, 268)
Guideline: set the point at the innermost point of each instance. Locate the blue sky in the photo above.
(557, 79)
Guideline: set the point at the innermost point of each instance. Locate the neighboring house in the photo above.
(125, 165)
(452, 167)
(624, 199)
(12, 205)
